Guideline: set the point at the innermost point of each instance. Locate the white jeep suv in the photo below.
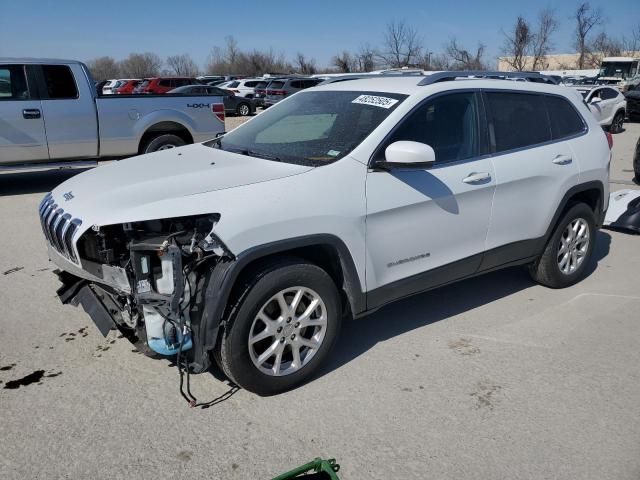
(253, 247)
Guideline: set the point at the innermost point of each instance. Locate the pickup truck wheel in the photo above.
(616, 124)
(163, 142)
(243, 109)
(568, 251)
(281, 328)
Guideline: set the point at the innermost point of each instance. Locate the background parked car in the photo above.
(127, 87)
(233, 105)
(107, 88)
(608, 106)
(280, 88)
(244, 87)
(633, 104)
(164, 84)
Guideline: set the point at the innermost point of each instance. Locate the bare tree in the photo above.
(439, 62)
(182, 65)
(141, 65)
(103, 68)
(586, 19)
(463, 59)
(401, 46)
(344, 62)
(631, 42)
(304, 66)
(366, 58)
(542, 45)
(517, 45)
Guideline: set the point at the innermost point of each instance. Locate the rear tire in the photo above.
(268, 366)
(163, 142)
(243, 109)
(566, 255)
(617, 123)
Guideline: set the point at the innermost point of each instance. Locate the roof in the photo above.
(409, 85)
(619, 59)
(36, 60)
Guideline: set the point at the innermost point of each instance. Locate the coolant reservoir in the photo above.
(164, 284)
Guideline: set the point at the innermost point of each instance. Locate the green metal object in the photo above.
(318, 469)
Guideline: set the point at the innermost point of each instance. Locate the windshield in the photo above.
(617, 69)
(311, 128)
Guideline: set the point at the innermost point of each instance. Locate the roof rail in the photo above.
(452, 75)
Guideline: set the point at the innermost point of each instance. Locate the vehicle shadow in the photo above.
(436, 305)
(34, 182)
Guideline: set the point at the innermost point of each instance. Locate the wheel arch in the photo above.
(164, 127)
(591, 193)
(324, 250)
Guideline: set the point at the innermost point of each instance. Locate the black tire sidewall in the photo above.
(235, 349)
(614, 123)
(239, 109)
(167, 139)
(560, 279)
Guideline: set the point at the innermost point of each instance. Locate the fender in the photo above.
(226, 272)
(162, 116)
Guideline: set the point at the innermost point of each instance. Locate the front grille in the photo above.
(58, 227)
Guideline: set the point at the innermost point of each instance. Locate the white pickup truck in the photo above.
(51, 116)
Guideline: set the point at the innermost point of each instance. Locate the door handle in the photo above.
(562, 160)
(476, 177)
(31, 113)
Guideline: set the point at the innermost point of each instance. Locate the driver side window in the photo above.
(449, 124)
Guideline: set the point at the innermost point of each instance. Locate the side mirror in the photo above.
(406, 154)
(595, 100)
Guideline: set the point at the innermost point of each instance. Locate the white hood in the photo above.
(111, 193)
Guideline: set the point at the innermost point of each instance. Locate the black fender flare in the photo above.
(569, 194)
(225, 273)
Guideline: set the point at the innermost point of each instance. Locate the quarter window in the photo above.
(13, 84)
(59, 81)
(565, 120)
(608, 94)
(449, 124)
(519, 120)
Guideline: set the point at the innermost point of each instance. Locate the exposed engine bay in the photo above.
(154, 275)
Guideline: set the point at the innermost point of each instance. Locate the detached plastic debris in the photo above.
(624, 211)
(318, 469)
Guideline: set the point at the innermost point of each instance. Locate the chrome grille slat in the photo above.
(58, 227)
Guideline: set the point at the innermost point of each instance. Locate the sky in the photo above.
(320, 28)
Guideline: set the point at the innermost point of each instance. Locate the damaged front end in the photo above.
(149, 280)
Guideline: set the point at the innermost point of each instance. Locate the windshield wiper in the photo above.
(266, 156)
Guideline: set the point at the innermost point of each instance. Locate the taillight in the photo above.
(276, 92)
(609, 139)
(218, 110)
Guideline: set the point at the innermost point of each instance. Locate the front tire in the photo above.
(568, 251)
(281, 328)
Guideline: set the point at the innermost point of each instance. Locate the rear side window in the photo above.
(275, 85)
(261, 84)
(13, 84)
(565, 120)
(251, 84)
(296, 84)
(59, 81)
(608, 94)
(447, 123)
(519, 120)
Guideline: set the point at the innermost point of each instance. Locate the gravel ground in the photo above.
(493, 377)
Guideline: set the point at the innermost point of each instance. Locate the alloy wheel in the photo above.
(288, 331)
(574, 244)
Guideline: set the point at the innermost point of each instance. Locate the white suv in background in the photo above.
(608, 105)
(253, 247)
(244, 87)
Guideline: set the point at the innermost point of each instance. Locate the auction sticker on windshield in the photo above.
(383, 102)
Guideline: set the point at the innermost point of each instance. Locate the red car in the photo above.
(164, 84)
(127, 87)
